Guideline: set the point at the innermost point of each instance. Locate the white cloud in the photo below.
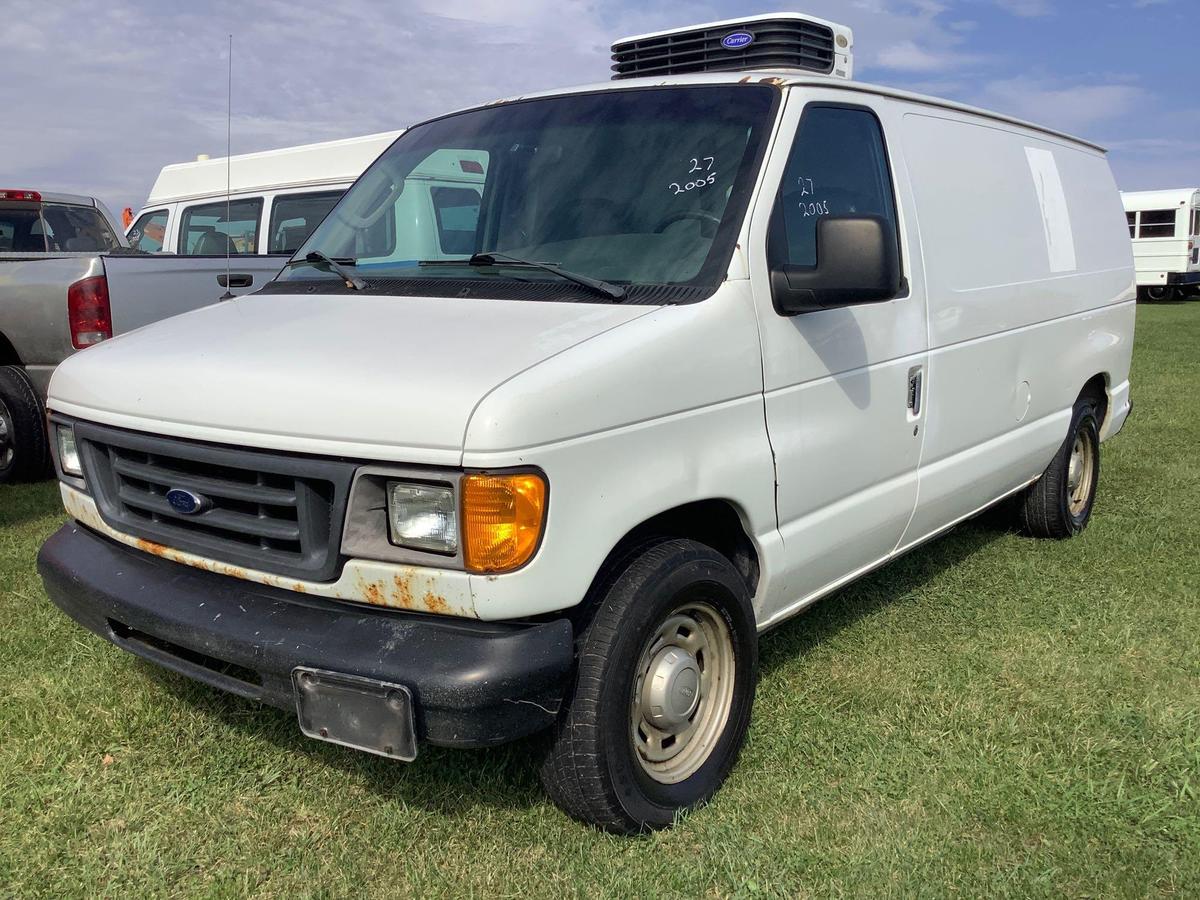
(1150, 146)
(899, 36)
(1152, 162)
(906, 56)
(1026, 8)
(1070, 108)
(117, 96)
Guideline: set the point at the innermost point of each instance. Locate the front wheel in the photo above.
(665, 683)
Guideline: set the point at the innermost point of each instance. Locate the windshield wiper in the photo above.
(495, 258)
(335, 265)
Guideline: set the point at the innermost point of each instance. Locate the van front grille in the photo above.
(777, 44)
(271, 512)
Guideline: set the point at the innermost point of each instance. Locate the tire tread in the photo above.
(32, 457)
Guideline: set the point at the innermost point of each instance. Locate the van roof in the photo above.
(791, 78)
(327, 162)
(1139, 200)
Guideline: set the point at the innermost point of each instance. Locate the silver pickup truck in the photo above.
(68, 279)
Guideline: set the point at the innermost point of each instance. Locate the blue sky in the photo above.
(104, 96)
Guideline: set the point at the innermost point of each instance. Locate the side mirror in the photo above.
(857, 262)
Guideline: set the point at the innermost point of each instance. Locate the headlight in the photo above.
(422, 516)
(68, 453)
(502, 520)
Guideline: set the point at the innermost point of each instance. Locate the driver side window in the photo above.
(838, 167)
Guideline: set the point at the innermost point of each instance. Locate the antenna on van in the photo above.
(228, 295)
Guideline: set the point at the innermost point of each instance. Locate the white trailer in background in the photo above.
(1165, 229)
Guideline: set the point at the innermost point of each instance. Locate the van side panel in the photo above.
(1030, 286)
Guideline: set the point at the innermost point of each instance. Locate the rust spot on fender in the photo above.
(151, 547)
(404, 588)
(436, 603)
(71, 505)
(773, 80)
(175, 556)
(402, 591)
(744, 79)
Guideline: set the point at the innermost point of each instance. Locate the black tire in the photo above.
(24, 455)
(1159, 293)
(593, 770)
(1051, 507)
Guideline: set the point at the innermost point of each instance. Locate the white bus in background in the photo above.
(1165, 229)
(276, 198)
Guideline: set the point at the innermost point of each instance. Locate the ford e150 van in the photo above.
(720, 336)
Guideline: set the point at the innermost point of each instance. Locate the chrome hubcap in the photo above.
(683, 692)
(6, 437)
(1081, 472)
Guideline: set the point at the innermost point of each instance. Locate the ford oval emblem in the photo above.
(186, 502)
(737, 40)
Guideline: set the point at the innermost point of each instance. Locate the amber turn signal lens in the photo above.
(502, 518)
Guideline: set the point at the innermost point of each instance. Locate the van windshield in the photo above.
(638, 187)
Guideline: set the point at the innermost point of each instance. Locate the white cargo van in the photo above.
(720, 336)
(1165, 229)
(275, 198)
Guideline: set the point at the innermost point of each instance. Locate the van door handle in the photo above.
(243, 279)
(914, 390)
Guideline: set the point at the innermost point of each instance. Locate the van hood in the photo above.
(374, 376)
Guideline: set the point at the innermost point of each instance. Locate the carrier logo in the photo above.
(186, 502)
(737, 40)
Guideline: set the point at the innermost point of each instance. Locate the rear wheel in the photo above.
(1059, 504)
(664, 687)
(1158, 293)
(23, 452)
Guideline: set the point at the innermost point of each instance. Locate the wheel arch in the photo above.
(8, 353)
(715, 522)
(1097, 387)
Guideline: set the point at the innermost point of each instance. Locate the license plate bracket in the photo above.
(353, 711)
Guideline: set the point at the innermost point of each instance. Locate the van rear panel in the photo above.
(1029, 277)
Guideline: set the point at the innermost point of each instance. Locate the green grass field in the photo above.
(989, 715)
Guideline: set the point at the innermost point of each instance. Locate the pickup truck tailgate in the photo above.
(144, 289)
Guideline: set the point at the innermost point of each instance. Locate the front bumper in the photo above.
(473, 684)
